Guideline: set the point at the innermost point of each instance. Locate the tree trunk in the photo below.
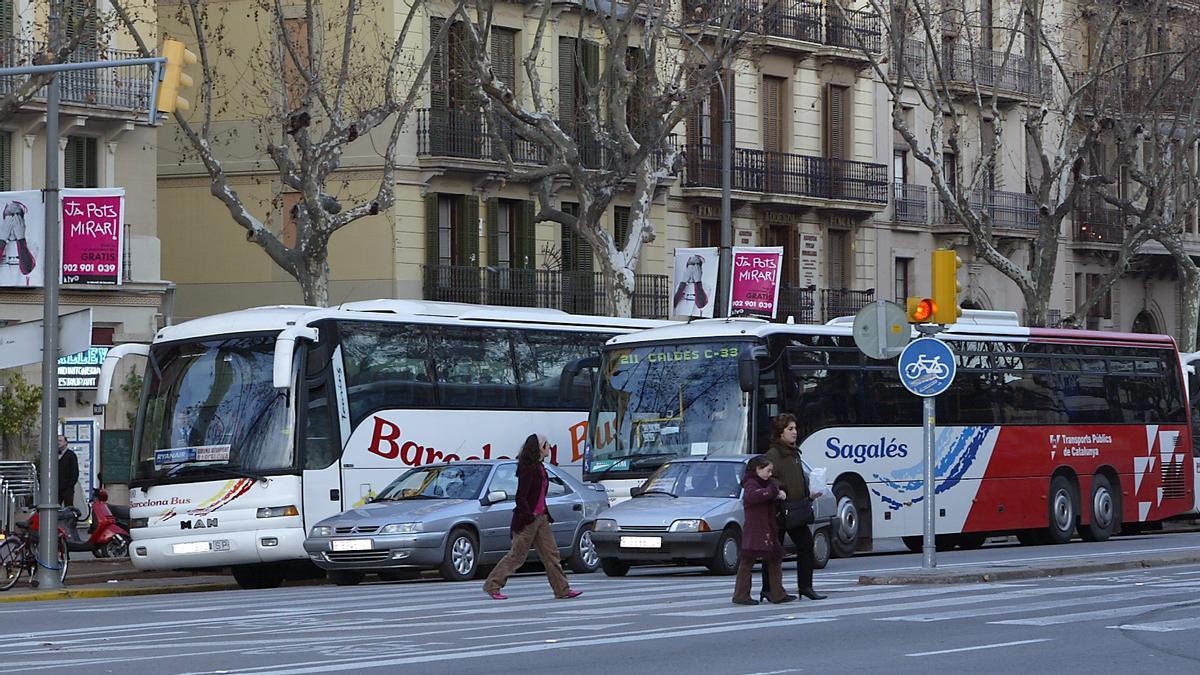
(1036, 307)
(1190, 310)
(620, 282)
(314, 282)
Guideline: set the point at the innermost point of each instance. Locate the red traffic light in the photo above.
(921, 310)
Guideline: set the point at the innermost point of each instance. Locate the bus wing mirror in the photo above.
(748, 368)
(285, 350)
(569, 371)
(109, 368)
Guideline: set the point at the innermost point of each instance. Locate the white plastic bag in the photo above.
(816, 480)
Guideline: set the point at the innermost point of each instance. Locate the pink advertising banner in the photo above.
(755, 288)
(92, 235)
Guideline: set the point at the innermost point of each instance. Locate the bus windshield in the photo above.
(658, 402)
(212, 411)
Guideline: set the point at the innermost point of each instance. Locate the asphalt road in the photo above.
(655, 620)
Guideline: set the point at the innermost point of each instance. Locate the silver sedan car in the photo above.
(454, 517)
(690, 511)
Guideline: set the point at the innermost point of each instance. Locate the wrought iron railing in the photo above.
(1099, 223)
(471, 134)
(913, 58)
(912, 202)
(575, 292)
(792, 19)
(798, 303)
(123, 87)
(127, 258)
(997, 70)
(837, 302)
(1008, 210)
(811, 305)
(787, 173)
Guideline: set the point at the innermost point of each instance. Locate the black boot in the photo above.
(811, 594)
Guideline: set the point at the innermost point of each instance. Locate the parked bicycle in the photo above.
(18, 555)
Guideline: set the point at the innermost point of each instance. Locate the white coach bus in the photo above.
(255, 424)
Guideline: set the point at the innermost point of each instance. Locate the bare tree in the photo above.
(646, 75)
(334, 76)
(1011, 64)
(1145, 100)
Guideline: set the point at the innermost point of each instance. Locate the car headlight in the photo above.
(321, 531)
(605, 525)
(400, 528)
(689, 525)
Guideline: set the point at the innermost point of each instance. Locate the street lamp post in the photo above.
(725, 266)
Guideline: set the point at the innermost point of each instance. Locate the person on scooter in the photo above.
(68, 472)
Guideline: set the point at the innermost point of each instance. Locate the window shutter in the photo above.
(5, 160)
(432, 257)
(566, 83)
(81, 15)
(621, 225)
(6, 19)
(461, 54)
(468, 232)
(589, 65)
(835, 122)
(438, 75)
(504, 57)
(772, 90)
(492, 208)
(639, 101)
(526, 238)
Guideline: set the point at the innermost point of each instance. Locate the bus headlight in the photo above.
(278, 511)
(401, 528)
(689, 525)
(137, 523)
(606, 525)
(321, 531)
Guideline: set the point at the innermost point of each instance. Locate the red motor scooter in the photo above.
(107, 537)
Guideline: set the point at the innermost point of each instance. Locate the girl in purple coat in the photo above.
(760, 534)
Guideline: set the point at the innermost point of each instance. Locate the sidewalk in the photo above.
(89, 577)
(1059, 566)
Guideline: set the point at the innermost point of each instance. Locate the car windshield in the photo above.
(659, 402)
(211, 409)
(696, 479)
(437, 482)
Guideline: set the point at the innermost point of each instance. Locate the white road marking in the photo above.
(978, 647)
(1190, 623)
(1032, 607)
(1076, 617)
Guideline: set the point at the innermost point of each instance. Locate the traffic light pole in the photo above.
(928, 423)
(49, 574)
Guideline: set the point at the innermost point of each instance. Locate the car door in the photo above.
(495, 520)
(566, 508)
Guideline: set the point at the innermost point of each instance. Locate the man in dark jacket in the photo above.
(68, 472)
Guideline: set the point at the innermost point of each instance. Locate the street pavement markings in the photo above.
(1033, 607)
(978, 647)
(1190, 623)
(1078, 617)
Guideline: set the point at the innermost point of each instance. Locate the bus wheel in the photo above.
(258, 576)
(845, 520)
(971, 540)
(1103, 512)
(1029, 538)
(1064, 511)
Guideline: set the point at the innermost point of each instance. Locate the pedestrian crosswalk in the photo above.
(330, 629)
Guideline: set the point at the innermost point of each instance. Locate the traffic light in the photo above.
(173, 77)
(921, 310)
(945, 286)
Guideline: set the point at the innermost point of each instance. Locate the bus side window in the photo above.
(387, 366)
(475, 368)
(541, 357)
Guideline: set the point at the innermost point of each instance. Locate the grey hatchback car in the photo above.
(690, 511)
(454, 517)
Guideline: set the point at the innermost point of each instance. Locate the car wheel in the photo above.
(345, 577)
(399, 575)
(258, 576)
(822, 549)
(1104, 513)
(1064, 509)
(584, 558)
(725, 556)
(461, 557)
(614, 567)
(846, 520)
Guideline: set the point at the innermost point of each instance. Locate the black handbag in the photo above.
(796, 513)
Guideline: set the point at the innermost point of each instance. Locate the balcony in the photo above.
(911, 203)
(125, 88)
(1010, 77)
(1099, 223)
(1125, 91)
(575, 292)
(1008, 210)
(816, 181)
(471, 135)
(793, 25)
(814, 306)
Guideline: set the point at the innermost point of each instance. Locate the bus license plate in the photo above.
(351, 544)
(201, 546)
(641, 542)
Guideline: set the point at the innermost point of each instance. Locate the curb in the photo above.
(79, 593)
(987, 575)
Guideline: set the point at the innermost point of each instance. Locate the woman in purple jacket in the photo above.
(531, 524)
(760, 536)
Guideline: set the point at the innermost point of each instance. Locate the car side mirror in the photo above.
(636, 490)
(495, 497)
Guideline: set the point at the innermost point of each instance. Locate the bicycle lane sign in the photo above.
(927, 367)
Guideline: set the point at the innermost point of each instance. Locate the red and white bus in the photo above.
(1043, 433)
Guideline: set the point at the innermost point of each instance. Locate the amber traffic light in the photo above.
(945, 286)
(173, 77)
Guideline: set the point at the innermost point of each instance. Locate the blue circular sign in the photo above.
(927, 367)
